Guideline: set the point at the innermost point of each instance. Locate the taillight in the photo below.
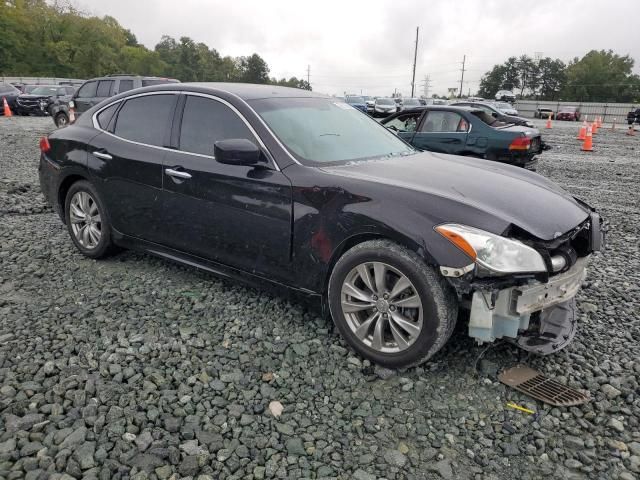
(520, 143)
(45, 146)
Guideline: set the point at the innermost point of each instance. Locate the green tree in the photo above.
(292, 82)
(253, 69)
(601, 76)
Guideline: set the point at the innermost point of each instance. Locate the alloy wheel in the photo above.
(382, 307)
(86, 222)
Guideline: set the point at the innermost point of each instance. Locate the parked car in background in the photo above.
(384, 106)
(356, 101)
(10, 93)
(506, 108)
(505, 96)
(96, 90)
(544, 112)
(633, 117)
(436, 101)
(370, 102)
(39, 99)
(492, 110)
(467, 131)
(408, 103)
(568, 113)
(327, 205)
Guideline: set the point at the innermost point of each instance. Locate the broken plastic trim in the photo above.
(456, 272)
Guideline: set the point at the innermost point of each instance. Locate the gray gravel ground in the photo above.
(137, 368)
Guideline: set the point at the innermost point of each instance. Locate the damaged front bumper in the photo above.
(538, 317)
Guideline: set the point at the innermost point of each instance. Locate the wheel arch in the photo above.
(64, 187)
(359, 238)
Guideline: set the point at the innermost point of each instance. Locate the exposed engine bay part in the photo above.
(536, 385)
(456, 272)
(544, 314)
(551, 330)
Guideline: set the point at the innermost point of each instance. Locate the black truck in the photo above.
(38, 101)
(633, 116)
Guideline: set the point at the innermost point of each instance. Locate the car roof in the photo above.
(246, 91)
(436, 108)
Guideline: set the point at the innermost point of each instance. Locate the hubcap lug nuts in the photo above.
(375, 297)
(385, 296)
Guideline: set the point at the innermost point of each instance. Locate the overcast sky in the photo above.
(354, 46)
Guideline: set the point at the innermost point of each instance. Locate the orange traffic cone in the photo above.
(548, 122)
(599, 121)
(72, 115)
(631, 132)
(594, 127)
(5, 106)
(583, 131)
(587, 146)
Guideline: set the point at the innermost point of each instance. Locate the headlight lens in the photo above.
(493, 252)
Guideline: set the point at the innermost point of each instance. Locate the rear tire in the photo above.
(87, 220)
(401, 311)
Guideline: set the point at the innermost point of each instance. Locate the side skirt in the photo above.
(311, 299)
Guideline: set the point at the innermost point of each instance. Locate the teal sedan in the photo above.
(467, 131)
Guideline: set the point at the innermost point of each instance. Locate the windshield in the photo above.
(44, 91)
(385, 101)
(355, 100)
(321, 130)
(411, 102)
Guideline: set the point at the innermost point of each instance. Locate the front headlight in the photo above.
(493, 252)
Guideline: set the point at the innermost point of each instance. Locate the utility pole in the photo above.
(415, 57)
(464, 59)
(308, 74)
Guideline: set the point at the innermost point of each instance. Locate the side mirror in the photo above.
(236, 151)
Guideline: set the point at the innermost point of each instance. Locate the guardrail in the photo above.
(40, 80)
(608, 111)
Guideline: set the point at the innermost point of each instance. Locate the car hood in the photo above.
(510, 194)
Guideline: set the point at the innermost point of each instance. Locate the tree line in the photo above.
(599, 76)
(38, 39)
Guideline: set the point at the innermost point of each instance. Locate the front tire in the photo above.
(87, 220)
(390, 306)
(61, 120)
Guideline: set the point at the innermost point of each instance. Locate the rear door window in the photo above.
(105, 88)
(205, 121)
(444, 122)
(88, 90)
(125, 86)
(145, 119)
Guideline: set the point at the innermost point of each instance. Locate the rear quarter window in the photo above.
(105, 116)
(125, 86)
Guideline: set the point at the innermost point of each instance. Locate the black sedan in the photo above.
(10, 94)
(467, 131)
(495, 113)
(293, 190)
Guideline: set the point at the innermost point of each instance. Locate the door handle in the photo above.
(177, 173)
(102, 155)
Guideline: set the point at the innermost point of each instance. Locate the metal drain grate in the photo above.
(536, 385)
